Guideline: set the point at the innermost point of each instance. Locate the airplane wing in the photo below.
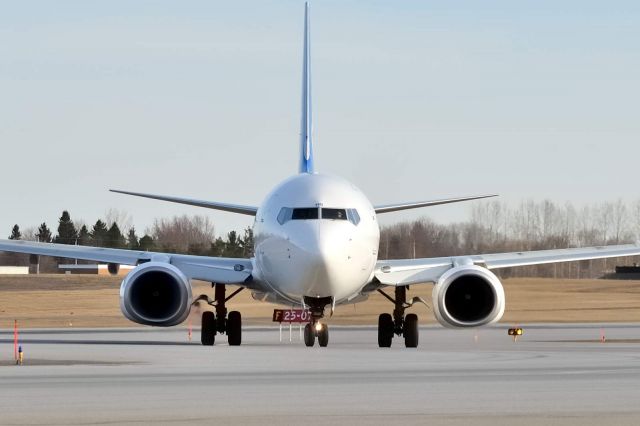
(233, 208)
(414, 205)
(414, 271)
(214, 269)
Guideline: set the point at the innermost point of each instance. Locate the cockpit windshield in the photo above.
(305, 213)
(310, 213)
(339, 214)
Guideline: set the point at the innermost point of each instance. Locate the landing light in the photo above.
(318, 326)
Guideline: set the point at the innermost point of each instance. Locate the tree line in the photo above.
(101, 234)
(492, 227)
(180, 234)
(495, 227)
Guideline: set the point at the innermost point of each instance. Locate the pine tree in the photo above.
(247, 243)
(146, 243)
(15, 233)
(44, 233)
(132, 239)
(115, 239)
(233, 248)
(99, 234)
(67, 232)
(84, 238)
(217, 248)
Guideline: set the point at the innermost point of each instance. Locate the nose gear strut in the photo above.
(315, 328)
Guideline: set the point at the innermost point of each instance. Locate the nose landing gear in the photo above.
(315, 328)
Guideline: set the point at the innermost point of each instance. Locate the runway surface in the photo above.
(553, 375)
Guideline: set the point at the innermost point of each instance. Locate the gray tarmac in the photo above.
(553, 375)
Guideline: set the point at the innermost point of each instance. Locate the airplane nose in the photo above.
(320, 247)
(322, 253)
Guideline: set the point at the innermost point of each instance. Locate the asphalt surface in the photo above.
(553, 375)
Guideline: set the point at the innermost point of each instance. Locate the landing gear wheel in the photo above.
(221, 324)
(411, 331)
(323, 336)
(309, 335)
(234, 328)
(385, 330)
(208, 330)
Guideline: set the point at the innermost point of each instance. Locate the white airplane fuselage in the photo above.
(309, 242)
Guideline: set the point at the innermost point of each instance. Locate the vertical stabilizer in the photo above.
(306, 128)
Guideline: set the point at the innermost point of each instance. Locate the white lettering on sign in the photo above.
(291, 315)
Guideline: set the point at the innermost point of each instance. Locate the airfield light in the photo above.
(515, 332)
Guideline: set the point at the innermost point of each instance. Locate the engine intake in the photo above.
(156, 293)
(468, 296)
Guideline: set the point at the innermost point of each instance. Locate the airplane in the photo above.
(316, 246)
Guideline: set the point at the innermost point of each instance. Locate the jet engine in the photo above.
(468, 296)
(156, 293)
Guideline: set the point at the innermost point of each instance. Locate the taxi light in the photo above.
(318, 326)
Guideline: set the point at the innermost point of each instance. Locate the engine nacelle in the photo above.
(156, 293)
(468, 296)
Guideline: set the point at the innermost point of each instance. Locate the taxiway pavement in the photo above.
(553, 375)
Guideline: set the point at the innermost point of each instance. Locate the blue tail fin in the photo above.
(306, 128)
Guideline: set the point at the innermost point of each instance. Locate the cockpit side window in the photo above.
(353, 216)
(284, 215)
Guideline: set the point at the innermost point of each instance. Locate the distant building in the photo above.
(635, 269)
(14, 270)
(93, 269)
(625, 272)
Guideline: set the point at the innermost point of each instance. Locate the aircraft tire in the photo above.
(309, 335)
(385, 330)
(234, 328)
(208, 330)
(411, 331)
(323, 336)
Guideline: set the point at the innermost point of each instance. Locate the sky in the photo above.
(413, 100)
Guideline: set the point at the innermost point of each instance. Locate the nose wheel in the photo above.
(313, 330)
(316, 329)
(309, 335)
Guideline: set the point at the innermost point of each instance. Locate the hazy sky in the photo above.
(412, 100)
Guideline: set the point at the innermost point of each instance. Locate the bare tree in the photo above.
(604, 217)
(29, 234)
(635, 219)
(183, 234)
(619, 212)
(79, 223)
(495, 227)
(121, 217)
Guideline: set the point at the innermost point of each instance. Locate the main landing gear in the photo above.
(315, 328)
(398, 324)
(221, 322)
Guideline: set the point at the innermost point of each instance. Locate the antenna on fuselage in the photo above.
(306, 127)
